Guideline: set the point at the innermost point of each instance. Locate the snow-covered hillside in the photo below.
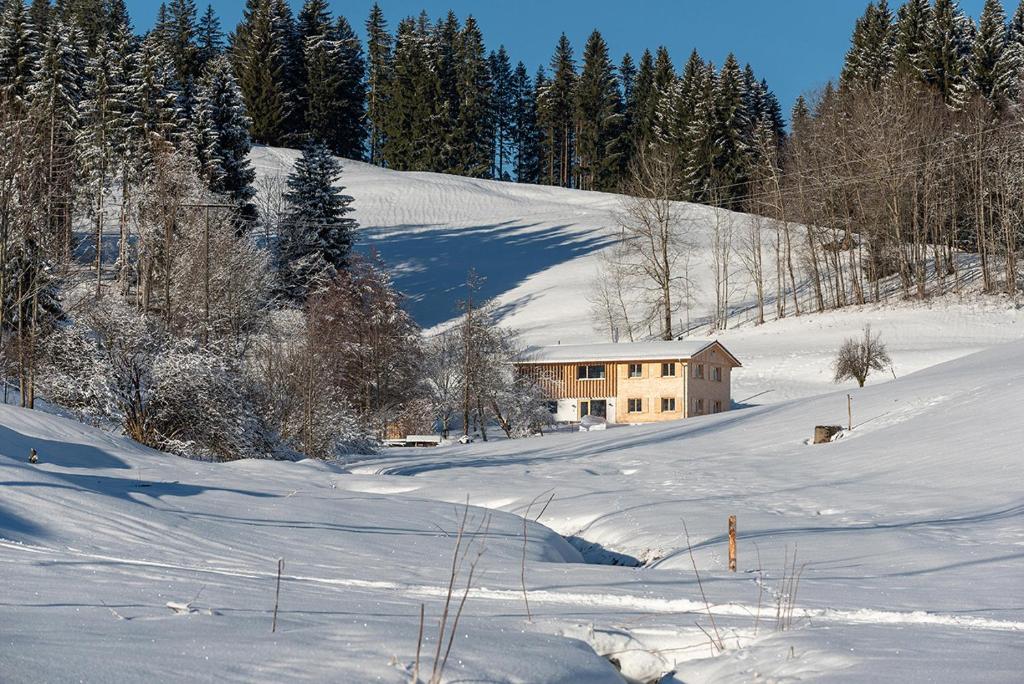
(911, 526)
(538, 248)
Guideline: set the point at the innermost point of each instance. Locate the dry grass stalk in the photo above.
(717, 641)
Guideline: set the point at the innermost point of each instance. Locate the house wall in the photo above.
(617, 388)
(650, 388)
(707, 388)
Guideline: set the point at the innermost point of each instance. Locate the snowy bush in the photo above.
(118, 364)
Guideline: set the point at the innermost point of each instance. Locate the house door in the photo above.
(584, 409)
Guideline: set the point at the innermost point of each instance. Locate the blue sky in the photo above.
(797, 45)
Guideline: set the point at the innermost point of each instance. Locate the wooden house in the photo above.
(641, 382)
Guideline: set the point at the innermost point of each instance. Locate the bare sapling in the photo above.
(446, 633)
(522, 567)
(717, 640)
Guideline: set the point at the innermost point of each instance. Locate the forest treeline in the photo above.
(905, 178)
(912, 158)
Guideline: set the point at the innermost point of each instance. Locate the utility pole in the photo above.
(207, 206)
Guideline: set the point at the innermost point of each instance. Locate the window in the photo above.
(636, 405)
(700, 407)
(590, 372)
(551, 406)
(718, 407)
(716, 373)
(668, 404)
(698, 371)
(668, 370)
(636, 370)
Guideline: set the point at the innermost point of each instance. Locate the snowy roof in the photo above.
(627, 351)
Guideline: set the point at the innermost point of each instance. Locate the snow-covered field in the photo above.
(538, 247)
(121, 564)
(911, 528)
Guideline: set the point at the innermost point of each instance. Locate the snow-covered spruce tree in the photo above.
(599, 130)
(19, 48)
(220, 133)
(910, 39)
(333, 89)
(555, 106)
(155, 119)
(55, 97)
(210, 38)
(994, 65)
(317, 237)
(102, 109)
(260, 53)
(732, 137)
(502, 108)
(378, 71)
(473, 135)
(869, 62)
(675, 116)
(526, 138)
(516, 400)
(409, 114)
(947, 59)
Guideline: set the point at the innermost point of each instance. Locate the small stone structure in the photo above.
(823, 434)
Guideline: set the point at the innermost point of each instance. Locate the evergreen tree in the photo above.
(527, 139)
(260, 56)
(18, 53)
(598, 119)
(181, 46)
(674, 116)
(502, 107)
(222, 136)
(641, 107)
(155, 116)
(555, 107)
(699, 169)
(948, 51)
(101, 118)
(473, 139)
(55, 96)
(993, 65)
(332, 86)
(870, 59)
(210, 38)
(733, 136)
(318, 237)
(117, 18)
(39, 14)
(410, 102)
(911, 39)
(378, 70)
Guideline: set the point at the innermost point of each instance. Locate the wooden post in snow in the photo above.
(849, 411)
(732, 543)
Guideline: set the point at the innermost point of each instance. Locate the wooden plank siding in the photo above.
(559, 381)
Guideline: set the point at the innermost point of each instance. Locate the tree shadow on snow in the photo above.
(430, 264)
(64, 454)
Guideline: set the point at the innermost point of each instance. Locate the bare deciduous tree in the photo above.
(857, 358)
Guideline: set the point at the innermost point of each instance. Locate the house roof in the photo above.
(631, 351)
